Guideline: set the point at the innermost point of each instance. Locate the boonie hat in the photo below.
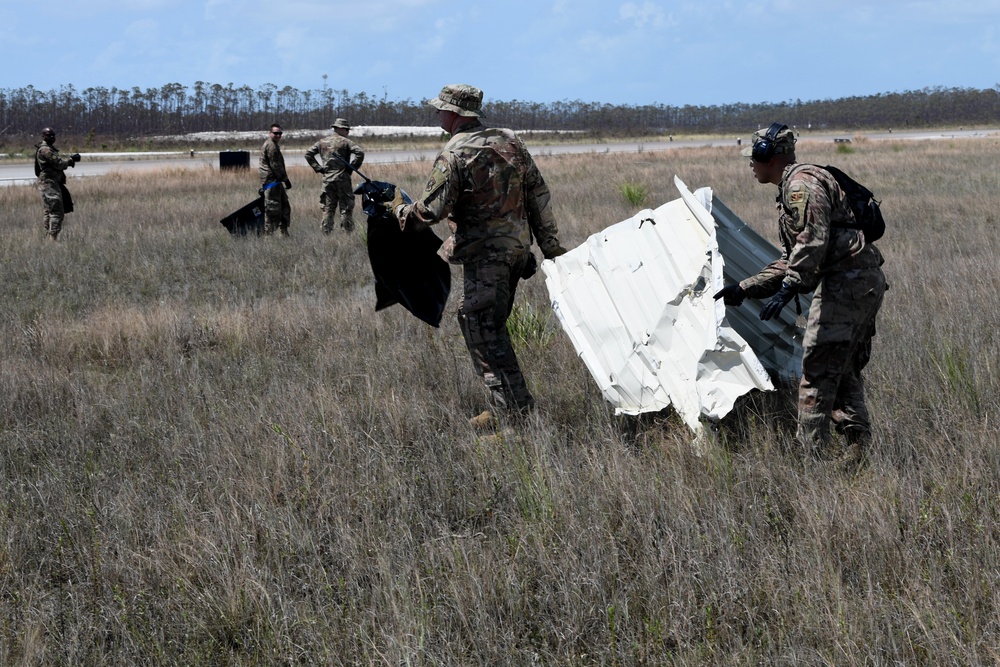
(463, 99)
(341, 122)
(783, 142)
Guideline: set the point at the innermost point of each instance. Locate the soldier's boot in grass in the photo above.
(855, 455)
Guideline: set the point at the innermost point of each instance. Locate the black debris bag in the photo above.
(407, 268)
(246, 220)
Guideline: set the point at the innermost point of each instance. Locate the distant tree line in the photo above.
(178, 109)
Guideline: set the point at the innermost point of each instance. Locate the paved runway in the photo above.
(99, 164)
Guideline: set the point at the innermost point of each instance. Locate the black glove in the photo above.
(732, 295)
(777, 302)
(557, 252)
(75, 157)
(530, 266)
(288, 185)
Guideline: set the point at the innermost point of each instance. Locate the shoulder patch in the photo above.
(439, 175)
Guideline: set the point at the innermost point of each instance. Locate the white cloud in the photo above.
(647, 14)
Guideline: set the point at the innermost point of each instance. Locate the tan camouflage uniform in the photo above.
(273, 177)
(485, 184)
(338, 195)
(51, 183)
(849, 285)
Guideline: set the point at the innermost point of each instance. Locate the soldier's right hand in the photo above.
(396, 201)
(732, 295)
(75, 157)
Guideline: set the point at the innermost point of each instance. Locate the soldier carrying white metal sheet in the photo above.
(822, 250)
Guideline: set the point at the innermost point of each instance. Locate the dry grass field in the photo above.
(214, 452)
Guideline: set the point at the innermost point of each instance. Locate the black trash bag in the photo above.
(407, 268)
(246, 220)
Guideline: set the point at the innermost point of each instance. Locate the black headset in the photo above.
(763, 150)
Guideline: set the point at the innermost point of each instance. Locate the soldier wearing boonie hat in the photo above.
(460, 98)
(338, 156)
(485, 184)
(823, 252)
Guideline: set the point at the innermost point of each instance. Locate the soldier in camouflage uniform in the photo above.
(487, 187)
(334, 157)
(274, 182)
(50, 168)
(819, 252)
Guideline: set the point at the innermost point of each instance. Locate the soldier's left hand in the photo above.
(75, 157)
(288, 185)
(777, 302)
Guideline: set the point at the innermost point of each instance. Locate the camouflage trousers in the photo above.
(52, 202)
(487, 301)
(337, 198)
(277, 210)
(836, 348)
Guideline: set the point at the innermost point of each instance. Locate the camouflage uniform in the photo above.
(486, 185)
(51, 169)
(273, 178)
(819, 254)
(338, 195)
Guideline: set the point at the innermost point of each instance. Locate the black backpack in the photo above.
(867, 214)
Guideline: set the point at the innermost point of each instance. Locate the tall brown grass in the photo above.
(213, 451)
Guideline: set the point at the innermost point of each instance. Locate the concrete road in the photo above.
(99, 164)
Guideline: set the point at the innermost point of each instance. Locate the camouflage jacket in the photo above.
(329, 149)
(486, 185)
(50, 166)
(272, 163)
(810, 207)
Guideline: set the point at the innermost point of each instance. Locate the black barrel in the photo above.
(234, 159)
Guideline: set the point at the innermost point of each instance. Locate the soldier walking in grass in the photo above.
(822, 250)
(486, 186)
(274, 184)
(50, 168)
(337, 156)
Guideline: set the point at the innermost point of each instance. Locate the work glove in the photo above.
(394, 203)
(777, 302)
(558, 251)
(288, 184)
(75, 157)
(732, 295)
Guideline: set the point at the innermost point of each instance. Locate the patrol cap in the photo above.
(463, 99)
(341, 122)
(775, 140)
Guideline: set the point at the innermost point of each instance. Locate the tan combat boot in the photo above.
(482, 421)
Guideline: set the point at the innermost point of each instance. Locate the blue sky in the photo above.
(676, 52)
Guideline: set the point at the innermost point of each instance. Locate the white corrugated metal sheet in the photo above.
(636, 301)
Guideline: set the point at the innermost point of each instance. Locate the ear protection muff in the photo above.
(763, 150)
